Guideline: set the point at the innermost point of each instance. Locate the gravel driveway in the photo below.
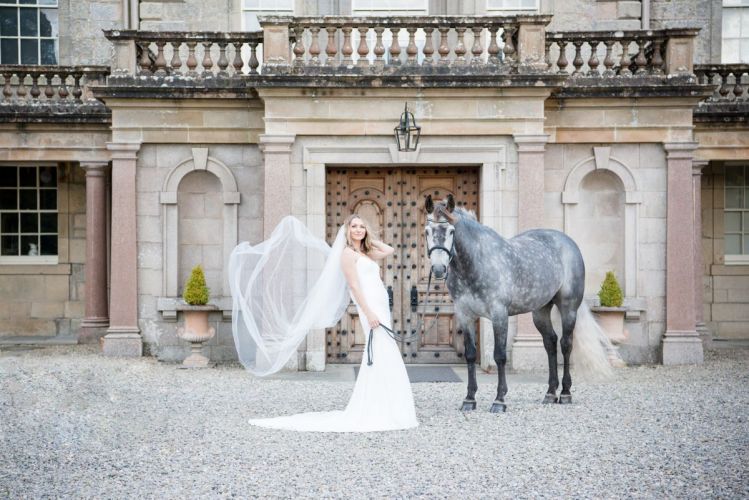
(76, 424)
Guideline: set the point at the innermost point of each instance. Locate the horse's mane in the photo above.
(467, 214)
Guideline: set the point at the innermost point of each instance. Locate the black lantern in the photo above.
(407, 132)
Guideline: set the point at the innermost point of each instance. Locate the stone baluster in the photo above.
(314, 48)
(562, 62)
(641, 61)
(593, 62)
(379, 49)
(144, 61)
(62, 91)
(460, 48)
(299, 45)
(656, 63)
(738, 88)
(626, 60)
(578, 61)
(363, 49)
(21, 90)
(7, 88)
(331, 49)
(395, 48)
(547, 53)
(254, 61)
(493, 46)
(207, 60)
(176, 62)
(411, 50)
(192, 61)
(428, 47)
(723, 90)
(477, 50)
(49, 91)
(509, 49)
(444, 48)
(608, 61)
(347, 49)
(35, 92)
(160, 63)
(237, 63)
(77, 90)
(223, 61)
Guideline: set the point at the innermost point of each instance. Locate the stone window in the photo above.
(511, 5)
(735, 47)
(737, 213)
(28, 32)
(251, 9)
(28, 214)
(388, 7)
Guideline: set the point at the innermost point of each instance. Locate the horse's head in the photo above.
(439, 231)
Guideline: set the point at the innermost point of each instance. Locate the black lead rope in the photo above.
(391, 333)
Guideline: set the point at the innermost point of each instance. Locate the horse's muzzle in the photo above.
(439, 271)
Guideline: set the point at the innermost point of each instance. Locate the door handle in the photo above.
(414, 298)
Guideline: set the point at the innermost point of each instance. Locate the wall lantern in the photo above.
(407, 132)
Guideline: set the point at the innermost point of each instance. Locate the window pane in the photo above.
(8, 51)
(30, 245)
(48, 22)
(729, 51)
(29, 223)
(733, 244)
(9, 223)
(47, 2)
(8, 177)
(731, 23)
(8, 21)
(733, 222)
(9, 245)
(48, 223)
(48, 199)
(29, 22)
(8, 199)
(48, 176)
(49, 51)
(744, 50)
(27, 199)
(733, 198)
(27, 2)
(49, 244)
(746, 244)
(29, 51)
(27, 176)
(734, 176)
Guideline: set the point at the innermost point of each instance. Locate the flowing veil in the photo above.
(278, 296)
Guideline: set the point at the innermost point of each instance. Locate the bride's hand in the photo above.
(373, 321)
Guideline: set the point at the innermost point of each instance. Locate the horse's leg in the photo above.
(467, 326)
(500, 357)
(569, 318)
(542, 320)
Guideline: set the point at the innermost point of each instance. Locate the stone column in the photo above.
(97, 311)
(123, 336)
(681, 343)
(528, 351)
(699, 307)
(276, 150)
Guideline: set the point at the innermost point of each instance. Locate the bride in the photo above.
(272, 315)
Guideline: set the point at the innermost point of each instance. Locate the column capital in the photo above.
(123, 150)
(677, 150)
(276, 143)
(94, 168)
(698, 165)
(531, 143)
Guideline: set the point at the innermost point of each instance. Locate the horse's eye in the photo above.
(452, 231)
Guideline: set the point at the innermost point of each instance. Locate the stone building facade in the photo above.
(175, 130)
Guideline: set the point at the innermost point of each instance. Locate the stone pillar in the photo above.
(528, 351)
(681, 343)
(123, 336)
(699, 307)
(97, 311)
(276, 150)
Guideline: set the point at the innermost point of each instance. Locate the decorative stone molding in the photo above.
(170, 216)
(602, 160)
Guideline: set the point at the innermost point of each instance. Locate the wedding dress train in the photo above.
(382, 398)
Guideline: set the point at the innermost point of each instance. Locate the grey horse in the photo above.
(492, 277)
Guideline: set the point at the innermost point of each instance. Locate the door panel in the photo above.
(392, 200)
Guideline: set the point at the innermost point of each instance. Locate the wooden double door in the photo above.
(391, 199)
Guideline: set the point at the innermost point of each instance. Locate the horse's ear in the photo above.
(429, 204)
(450, 203)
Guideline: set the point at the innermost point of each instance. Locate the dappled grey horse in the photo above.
(492, 277)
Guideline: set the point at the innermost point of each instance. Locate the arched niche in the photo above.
(610, 174)
(230, 197)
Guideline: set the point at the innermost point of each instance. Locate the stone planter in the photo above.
(196, 331)
(611, 321)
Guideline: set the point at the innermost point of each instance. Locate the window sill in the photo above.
(32, 269)
(737, 260)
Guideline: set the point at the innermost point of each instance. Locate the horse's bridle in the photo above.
(450, 251)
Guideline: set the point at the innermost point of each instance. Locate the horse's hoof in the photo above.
(565, 399)
(550, 398)
(498, 407)
(468, 405)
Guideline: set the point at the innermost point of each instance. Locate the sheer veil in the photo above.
(279, 294)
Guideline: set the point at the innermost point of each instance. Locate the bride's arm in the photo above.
(348, 265)
(381, 250)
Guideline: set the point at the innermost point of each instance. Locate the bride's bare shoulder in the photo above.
(349, 255)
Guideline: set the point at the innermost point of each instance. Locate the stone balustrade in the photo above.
(607, 54)
(193, 55)
(730, 80)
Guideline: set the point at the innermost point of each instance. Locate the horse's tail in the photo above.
(590, 346)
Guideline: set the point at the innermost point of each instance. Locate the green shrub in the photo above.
(611, 293)
(196, 292)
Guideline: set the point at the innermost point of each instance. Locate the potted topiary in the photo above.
(610, 315)
(196, 309)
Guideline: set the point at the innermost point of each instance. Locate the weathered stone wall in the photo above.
(81, 23)
(48, 300)
(197, 202)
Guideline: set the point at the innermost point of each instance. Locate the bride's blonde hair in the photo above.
(366, 244)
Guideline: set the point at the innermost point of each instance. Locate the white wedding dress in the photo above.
(382, 398)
